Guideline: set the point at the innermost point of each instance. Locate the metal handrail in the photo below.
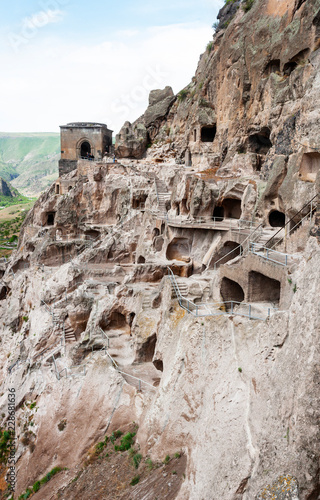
(267, 252)
(52, 348)
(292, 218)
(195, 309)
(248, 238)
(139, 380)
(309, 214)
(105, 335)
(238, 224)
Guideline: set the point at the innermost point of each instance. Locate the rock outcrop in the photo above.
(132, 140)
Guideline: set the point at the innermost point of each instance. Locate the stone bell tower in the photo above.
(83, 140)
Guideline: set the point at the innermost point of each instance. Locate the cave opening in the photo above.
(50, 218)
(132, 315)
(218, 213)
(300, 58)
(117, 321)
(92, 234)
(260, 143)
(158, 363)
(139, 202)
(232, 208)
(208, 133)
(3, 292)
(141, 260)
(273, 66)
(231, 291)
(289, 67)
(277, 219)
(179, 249)
(310, 166)
(263, 289)
(146, 351)
(176, 207)
(155, 232)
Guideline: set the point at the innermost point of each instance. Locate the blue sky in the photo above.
(68, 60)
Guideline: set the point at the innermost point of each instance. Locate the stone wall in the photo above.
(66, 166)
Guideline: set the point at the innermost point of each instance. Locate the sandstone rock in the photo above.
(159, 104)
(132, 140)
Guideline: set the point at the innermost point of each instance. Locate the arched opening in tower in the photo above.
(85, 149)
(263, 289)
(277, 219)
(231, 291)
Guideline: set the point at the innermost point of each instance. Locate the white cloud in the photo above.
(42, 18)
(107, 82)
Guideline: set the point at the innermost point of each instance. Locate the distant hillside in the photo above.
(29, 161)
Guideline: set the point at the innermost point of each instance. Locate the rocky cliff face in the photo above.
(215, 366)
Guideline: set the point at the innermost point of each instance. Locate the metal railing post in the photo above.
(139, 385)
(250, 311)
(231, 307)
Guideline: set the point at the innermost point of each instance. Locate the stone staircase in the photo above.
(69, 334)
(121, 347)
(182, 286)
(265, 236)
(147, 301)
(162, 194)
